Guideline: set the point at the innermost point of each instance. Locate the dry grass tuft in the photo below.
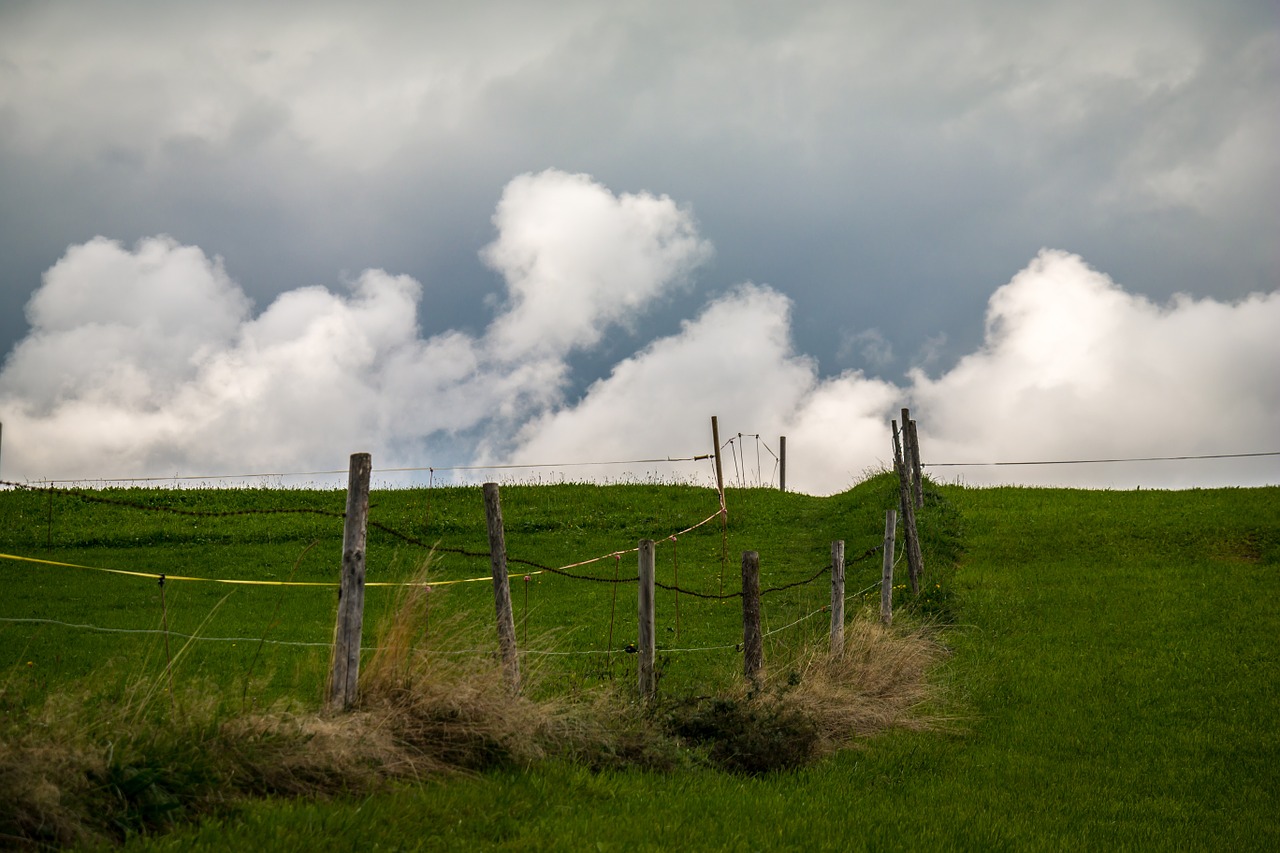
(818, 702)
(84, 771)
(879, 682)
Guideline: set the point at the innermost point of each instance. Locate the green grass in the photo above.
(1113, 670)
(549, 525)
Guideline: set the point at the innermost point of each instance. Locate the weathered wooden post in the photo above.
(344, 676)
(501, 588)
(915, 563)
(782, 463)
(715, 440)
(724, 511)
(886, 575)
(646, 639)
(917, 474)
(752, 636)
(906, 438)
(837, 597)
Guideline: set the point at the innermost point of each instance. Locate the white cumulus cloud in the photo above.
(151, 361)
(1074, 367)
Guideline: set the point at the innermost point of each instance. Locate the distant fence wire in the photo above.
(1102, 461)
(428, 469)
(737, 447)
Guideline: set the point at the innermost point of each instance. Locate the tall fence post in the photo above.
(715, 440)
(886, 574)
(915, 567)
(724, 511)
(782, 463)
(646, 639)
(752, 636)
(501, 588)
(344, 677)
(837, 597)
(917, 474)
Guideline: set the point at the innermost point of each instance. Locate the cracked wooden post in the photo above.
(886, 575)
(837, 597)
(344, 675)
(917, 467)
(501, 588)
(915, 562)
(752, 637)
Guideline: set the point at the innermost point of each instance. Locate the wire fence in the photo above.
(569, 571)
(751, 460)
(1116, 460)
(429, 470)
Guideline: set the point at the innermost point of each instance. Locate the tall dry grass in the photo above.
(81, 771)
(816, 702)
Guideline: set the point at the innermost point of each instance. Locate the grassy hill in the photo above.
(1109, 673)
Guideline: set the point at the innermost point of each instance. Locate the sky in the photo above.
(241, 238)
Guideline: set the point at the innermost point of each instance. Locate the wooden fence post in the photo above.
(752, 637)
(915, 567)
(782, 464)
(501, 588)
(917, 475)
(837, 597)
(886, 575)
(344, 677)
(715, 440)
(646, 639)
(724, 511)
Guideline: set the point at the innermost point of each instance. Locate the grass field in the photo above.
(1111, 678)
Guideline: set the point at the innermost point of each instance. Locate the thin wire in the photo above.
(185, 478)
(1101, 461)
(158, 631)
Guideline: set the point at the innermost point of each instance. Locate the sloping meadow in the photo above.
(167, 651)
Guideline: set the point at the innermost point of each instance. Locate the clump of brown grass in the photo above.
(449, 707)
(880, 681)
(817, 702)
(81, 771)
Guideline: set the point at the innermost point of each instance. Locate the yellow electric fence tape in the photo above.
(155, 576)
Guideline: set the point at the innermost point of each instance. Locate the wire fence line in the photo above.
(368, 649)
(563, 571)
(740, 466)
(423, 469)
(537, 568)
(1256, 455)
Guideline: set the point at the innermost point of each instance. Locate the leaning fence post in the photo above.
(344, 676)
(646, 640)
(917, 475)
(501, 588)
(886, 576)
(915, 567)
(752, 637)
(837, 597)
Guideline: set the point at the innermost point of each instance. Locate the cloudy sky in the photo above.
(238, 239)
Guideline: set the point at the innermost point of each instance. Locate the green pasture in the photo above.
(1112, 679)
(270, 641)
